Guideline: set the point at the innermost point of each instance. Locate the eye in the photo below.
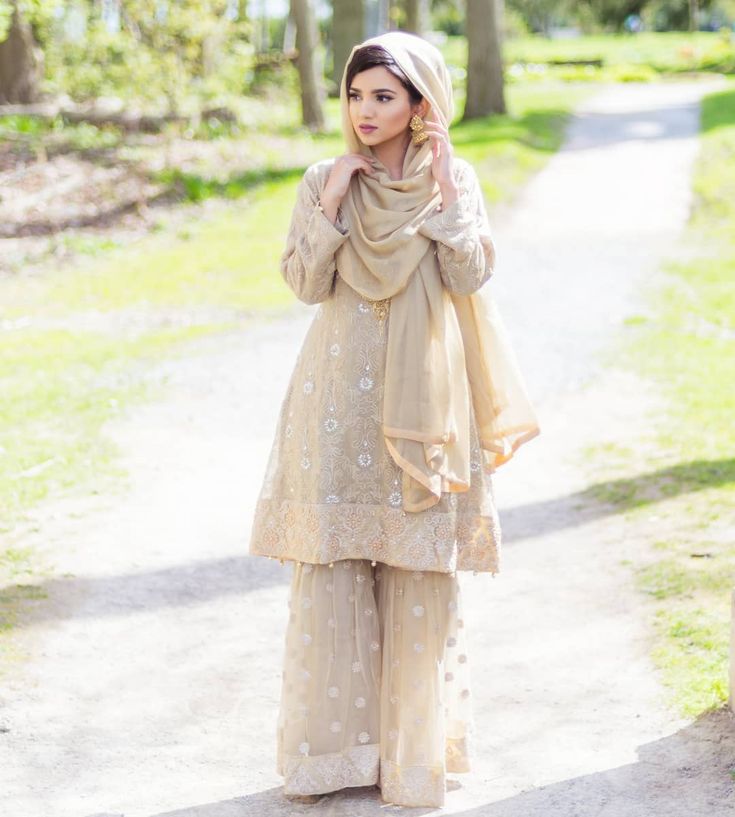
(352, 95)
(382, 97)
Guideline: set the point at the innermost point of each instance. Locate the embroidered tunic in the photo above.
(331, 489)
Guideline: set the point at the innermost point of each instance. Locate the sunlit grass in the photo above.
(687, 347)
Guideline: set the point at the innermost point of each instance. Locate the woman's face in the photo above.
(380, 107)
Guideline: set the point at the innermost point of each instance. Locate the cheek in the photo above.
(397, 118)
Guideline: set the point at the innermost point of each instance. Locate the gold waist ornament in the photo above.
(380, 308)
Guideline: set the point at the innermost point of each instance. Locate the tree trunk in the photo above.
(693, 14)
(20, 68)
(417, 16)
(485, 90)
(377, 17)
(312, 113)
(348, 29)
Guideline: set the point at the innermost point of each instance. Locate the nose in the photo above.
(366, 109)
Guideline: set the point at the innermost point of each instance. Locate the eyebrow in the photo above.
(376, 91)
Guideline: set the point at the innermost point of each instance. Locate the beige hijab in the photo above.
(443, 350)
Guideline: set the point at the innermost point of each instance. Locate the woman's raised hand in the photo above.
(343, 169)
(442, 150)
(339, 181)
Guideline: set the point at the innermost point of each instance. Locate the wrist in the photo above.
(449, 193)
(329, 207)
(329, 199)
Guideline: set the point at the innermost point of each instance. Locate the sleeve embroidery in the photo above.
(464, 245)
(307, 263)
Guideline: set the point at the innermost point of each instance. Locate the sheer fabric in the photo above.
(331, 489)
(376, 682)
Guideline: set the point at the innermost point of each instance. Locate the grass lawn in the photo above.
(685, 506)
(623, 57)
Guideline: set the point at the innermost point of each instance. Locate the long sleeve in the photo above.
(307, 263)
(464, 245)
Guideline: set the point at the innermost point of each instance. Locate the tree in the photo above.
(312, 93)
(417, 16)
(20, 61)
(693, 15)
(348, 28)
(485, 87)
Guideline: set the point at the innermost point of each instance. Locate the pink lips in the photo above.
(367, 128)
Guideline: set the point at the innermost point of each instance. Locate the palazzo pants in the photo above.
(375, 684)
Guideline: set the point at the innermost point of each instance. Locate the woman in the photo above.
(404, 399)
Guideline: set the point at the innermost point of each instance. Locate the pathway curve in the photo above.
(152, 687)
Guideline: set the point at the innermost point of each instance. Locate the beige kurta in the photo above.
(331, 489)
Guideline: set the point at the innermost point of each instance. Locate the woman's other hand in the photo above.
(442, 165)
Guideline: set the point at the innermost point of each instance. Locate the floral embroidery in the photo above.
(339, 499)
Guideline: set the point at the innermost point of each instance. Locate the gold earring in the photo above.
(418, 136)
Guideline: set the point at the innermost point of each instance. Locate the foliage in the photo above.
(159, 55)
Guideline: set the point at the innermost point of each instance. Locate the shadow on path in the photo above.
(614, 496)
(643, 788)
(198, 582)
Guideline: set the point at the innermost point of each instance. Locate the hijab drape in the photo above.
(444, 351)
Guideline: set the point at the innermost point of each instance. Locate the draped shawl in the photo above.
(443, 350)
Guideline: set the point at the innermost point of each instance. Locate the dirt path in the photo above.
(152, 687)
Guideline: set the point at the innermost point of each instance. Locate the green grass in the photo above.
(623, 57)
(58, 389)
(687, 348)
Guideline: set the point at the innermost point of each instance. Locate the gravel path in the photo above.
(152, 685)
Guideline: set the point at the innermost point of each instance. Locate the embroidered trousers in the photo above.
(376, 685)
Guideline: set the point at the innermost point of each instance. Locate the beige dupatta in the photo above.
(443, 350)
